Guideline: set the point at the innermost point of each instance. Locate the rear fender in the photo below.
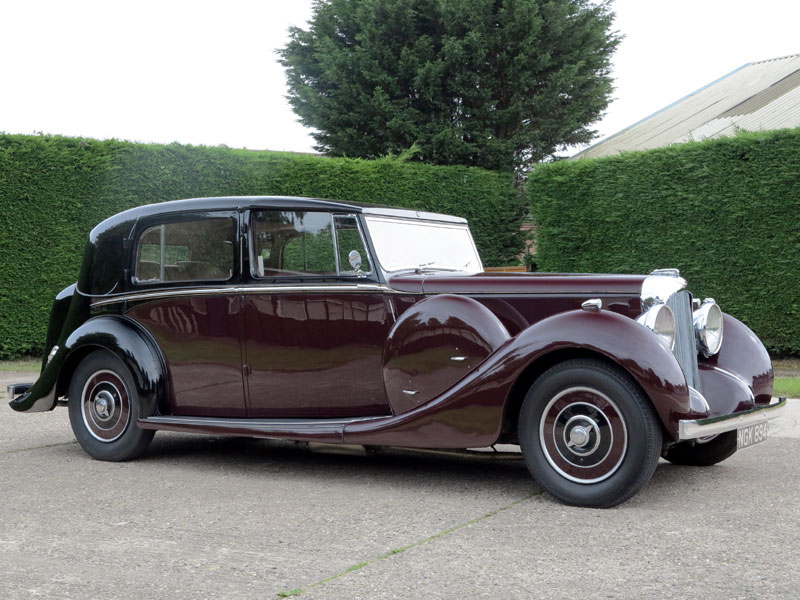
(135, 347)
(122, 337)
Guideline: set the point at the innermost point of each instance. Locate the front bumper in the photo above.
(698, 428)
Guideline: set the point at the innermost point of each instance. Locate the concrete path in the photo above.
(209, 517)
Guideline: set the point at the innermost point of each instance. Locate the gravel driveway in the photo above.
(210, 517)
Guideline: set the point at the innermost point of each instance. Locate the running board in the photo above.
(319, 430)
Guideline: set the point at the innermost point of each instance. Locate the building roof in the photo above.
(755, 97)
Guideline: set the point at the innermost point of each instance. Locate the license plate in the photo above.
(751, 435)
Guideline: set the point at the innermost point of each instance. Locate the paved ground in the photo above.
(202, 517)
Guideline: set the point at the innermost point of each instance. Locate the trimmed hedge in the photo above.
(726, 212)
(53, 190)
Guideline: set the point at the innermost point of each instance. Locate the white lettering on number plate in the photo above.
(751, 435)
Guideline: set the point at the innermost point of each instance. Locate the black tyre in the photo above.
(104, 408)
(700, 453)
(589, 435)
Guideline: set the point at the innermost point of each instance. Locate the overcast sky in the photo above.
(200, 72)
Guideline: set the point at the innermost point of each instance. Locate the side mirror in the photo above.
(355, 261)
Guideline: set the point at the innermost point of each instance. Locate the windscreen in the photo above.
(430, 245)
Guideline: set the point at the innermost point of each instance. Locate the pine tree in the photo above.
(500, 84)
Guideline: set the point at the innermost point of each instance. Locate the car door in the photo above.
(315, 326)
(186, 275)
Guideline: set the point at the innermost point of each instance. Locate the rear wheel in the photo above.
(589, 435)
(104, 408)
(701, 453)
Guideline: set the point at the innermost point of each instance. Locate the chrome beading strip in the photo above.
(737, 378)
(254, 289)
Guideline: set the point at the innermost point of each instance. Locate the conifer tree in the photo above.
(500, 84)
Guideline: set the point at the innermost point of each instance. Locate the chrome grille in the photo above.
(685, 348)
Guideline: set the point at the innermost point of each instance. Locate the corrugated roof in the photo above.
(755, 97)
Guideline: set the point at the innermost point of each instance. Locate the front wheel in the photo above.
(589, 435)
(104, 408)
(703, 453)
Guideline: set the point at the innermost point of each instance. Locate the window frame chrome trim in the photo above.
(360, 227)
(413, 215)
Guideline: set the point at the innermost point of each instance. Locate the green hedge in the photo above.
(725, 212)
(53, 190)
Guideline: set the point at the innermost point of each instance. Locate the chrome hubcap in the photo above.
(105, 406)
(583, 435)
(578, 436)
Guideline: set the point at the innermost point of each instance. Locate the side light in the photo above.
(661, 320)
(708, 327)
(52, 354)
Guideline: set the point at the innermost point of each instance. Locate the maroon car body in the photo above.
(240, 316)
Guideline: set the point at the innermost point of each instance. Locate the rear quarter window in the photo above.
(188, 250)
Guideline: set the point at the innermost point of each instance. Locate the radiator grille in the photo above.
(685, 348)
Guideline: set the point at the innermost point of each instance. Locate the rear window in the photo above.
(191, 250)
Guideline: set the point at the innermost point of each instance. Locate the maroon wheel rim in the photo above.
(583, 435)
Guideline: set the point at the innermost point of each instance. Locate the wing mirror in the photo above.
(355, 261)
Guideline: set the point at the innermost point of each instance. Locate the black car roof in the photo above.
(244, 202)
(247, 202)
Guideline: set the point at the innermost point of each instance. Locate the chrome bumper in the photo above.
(693, 429)
(17, 389)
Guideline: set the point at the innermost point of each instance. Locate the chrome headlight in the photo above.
(660, 319)
(708, 327)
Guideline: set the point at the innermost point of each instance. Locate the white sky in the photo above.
(200, 72)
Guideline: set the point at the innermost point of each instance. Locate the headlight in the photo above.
(708, 327)
(660, 319)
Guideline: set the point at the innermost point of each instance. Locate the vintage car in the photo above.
(319, 321)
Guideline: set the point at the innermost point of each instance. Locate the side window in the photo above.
(349, 238)
(196, 250)
(291, 243)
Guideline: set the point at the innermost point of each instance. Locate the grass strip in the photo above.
(390, 553)
(23, 366)
(787, 386)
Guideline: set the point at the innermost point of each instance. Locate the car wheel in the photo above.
(703, 453)
(104, 407)
(589, 435)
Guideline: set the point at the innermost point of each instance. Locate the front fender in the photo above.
(743, 354)
(470, 413)
(120, 336)
(625, 342)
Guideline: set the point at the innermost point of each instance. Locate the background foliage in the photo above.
(54, 190)
(725, 212)
(498, 84)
